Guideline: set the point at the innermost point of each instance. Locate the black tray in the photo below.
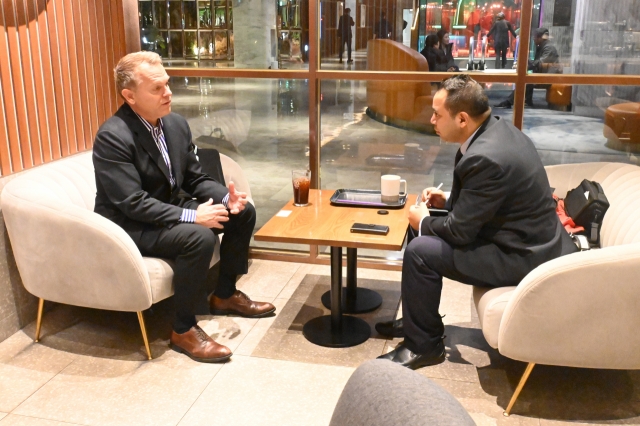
(364, 198)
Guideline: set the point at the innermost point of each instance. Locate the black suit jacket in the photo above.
(501, 208)
(132, 179)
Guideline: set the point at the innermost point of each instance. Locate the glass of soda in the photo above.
(301, 180)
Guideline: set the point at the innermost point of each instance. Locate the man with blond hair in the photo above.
(143, 158)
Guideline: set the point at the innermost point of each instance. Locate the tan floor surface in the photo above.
(90, 367)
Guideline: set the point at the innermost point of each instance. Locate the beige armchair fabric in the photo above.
(579, 310)
(68, 254)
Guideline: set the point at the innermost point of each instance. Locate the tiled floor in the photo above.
(90, 368)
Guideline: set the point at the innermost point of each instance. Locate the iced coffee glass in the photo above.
(301, 180)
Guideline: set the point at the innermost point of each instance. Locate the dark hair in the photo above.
(431, 40)
(464, 94)
(441, 34)
(540, 32)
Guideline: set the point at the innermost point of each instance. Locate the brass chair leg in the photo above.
(39, 319)
(144, 334)
(523, 380)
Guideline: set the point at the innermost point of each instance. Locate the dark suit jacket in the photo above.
(132, 179)
(344, 27)
(501, 208)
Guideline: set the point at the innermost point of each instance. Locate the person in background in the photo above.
(446, 47)
(546, 60)
(500, 32)
(434, 56)
(344, 33)
(382, 28)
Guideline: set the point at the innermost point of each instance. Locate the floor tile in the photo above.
(255, 335)
(15, 420)
(266, 278)
(100, 391)
(2, 415)
(252, 391)
(291, 286)
(26, 366)
(284, 340)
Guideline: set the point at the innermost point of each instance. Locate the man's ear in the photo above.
(128, 96)
(463, 119)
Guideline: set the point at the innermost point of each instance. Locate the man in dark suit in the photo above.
(344, 33)
(149, 182)
(501, 224)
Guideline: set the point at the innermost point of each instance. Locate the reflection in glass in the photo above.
(160, 14)
(175, 14)
(219, 13)
(191, 14)
(206, 44)
(175, 44)
(221, 45)
(191, 44)
(204, 13)
(239, 117)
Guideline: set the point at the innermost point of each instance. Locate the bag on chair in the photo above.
(586, 205)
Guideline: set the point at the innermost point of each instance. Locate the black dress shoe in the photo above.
(391, 328)
(403, 356)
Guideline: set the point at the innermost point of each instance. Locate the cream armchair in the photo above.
(66, 253)
(579, 310)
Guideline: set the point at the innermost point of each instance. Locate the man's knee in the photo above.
(199, 239)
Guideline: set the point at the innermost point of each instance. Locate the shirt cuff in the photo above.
(188, 216)
(225, 201)
(420, 227)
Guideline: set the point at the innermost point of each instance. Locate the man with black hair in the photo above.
(501, 223)
(546, 61)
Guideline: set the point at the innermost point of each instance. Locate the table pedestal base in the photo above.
(365, 301)
(351, 332)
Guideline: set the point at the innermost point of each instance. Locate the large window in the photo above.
(350, 122)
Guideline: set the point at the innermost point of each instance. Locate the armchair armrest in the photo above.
(72, 255)
(579, 310)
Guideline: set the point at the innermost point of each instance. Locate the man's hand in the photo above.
(211, 215)
(433, 197)
(237, 200)
(416, 213)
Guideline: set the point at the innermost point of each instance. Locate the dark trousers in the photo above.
(426, 260)
(528, 95)
(347, 41)
(191, 247)
(501, 53)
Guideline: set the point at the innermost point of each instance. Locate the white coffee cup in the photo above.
(390, 188)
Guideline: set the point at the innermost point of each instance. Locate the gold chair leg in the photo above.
(523, 380)
(39, 319)
(144, 334)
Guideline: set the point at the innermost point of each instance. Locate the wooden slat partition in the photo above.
(56, 79)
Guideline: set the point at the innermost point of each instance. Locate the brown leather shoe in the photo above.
(240, 304)
(197, 345)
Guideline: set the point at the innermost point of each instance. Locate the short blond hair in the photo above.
(125, 71)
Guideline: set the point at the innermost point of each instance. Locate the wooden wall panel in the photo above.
(56, 84)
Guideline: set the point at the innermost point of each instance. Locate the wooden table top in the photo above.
(320, 223)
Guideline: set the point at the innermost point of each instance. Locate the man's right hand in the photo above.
(434, 197)
(211, 215)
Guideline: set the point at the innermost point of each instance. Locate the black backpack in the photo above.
(586, 205)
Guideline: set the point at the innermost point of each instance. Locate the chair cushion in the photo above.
(490, 303)
(161, 274)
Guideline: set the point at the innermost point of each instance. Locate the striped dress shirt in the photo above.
(188, 215)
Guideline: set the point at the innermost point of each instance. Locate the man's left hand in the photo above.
(237, 199)
(416, 213)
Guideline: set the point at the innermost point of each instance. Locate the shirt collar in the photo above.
(148, 125)
(465, 146)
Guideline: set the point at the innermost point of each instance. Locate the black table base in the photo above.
(337, 330)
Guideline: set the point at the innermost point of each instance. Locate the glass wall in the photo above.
(369, 125)
(201, 33)
(263, 124)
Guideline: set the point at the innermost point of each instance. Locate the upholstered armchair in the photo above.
(68, 254)
(579, 310)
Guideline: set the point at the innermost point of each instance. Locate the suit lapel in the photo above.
(144, 138)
